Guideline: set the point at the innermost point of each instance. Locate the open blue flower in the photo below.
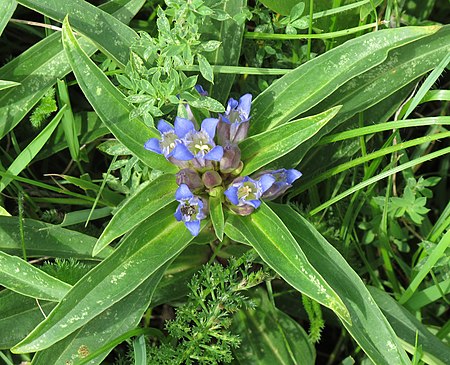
(235, 122)
(190, 210)
(197, 145)
(283, 181)
(246, 191)
(166, 145)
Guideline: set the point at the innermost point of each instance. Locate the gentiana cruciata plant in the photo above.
(210, 163)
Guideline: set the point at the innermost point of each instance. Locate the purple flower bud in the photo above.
(246, 191)
(231, 158)
(233, 125)
(191, 178)
(191, 209)
(283, 181)
(211, 179)
(200, 90)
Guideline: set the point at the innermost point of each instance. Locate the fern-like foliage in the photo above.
(67, 270)
(199, 334)
(46, 106)
(314, 313)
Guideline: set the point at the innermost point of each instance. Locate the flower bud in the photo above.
(191, 178)
(231, 158)
(283, 181)
(211, 179)
(241, 210)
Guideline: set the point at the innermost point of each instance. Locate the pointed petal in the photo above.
(292, 175)
(215, 154)
(183, 193)
(231, 194)
(266, 181)
(180, 152)
(164, 127)
(177, 214)
(232, 104)
(245, 103)
(153, 145)
(254, 203)
(193, 226)
(183, 127)
(209, 126)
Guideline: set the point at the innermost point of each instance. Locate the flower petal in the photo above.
(245, 103)
(292, 175)
(164, 127)
(254, 203)
(153, 145)
(193, 227)
(266, 181)
(231, 194)
(232, 104)
(215, 154)
(209, 126)
(183, 127)
(180, 152)
(177, 214)
(183, 193)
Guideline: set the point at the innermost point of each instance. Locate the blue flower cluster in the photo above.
(210, 159)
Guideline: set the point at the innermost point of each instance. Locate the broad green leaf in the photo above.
(116, 320)
(277, 247)
(23, 278)
(402, 67)
(147, 201)
(407, 327)
(282, 7)
(152, 244)
(7, 9)
(111, 35)
(38, 68)
(216, 214)
(261, 149)
(7, 84)
(269, 336)
(368, 326)
(205, 68)
(310, 83)
(230, 34)
(19, 315)
(42, 239)
(110, 104)
(29, 152)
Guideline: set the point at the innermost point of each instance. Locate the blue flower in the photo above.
(200, 90)
(283, 181)
(190, 210)
(166, 145)
(198, 145)
(246, 191)
(235, 122)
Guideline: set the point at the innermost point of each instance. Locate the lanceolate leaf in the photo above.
(410, 330)
(313, 81)
(110, 34)
(257, 151)
(216, 214)
(7, 84)
(120, 318)
(278, 248)
(7, 7)
(368, 325)
(21, 277)
(38, 68)
(139, 207)
(153, 243)
(42, 239)
(110, 104)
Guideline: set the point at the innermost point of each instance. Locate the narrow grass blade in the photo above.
(109, 34)
(23, 278)
(110, 104)
(147, 201)
(278, 248)
(27, 155)
(7, 84)
(368, 326)
(261, 149)
(152, 244)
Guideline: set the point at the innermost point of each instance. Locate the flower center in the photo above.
(247, 191)
(168, 142)
(188, 211)
(199, 143)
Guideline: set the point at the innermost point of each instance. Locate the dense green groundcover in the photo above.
(224, 181)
